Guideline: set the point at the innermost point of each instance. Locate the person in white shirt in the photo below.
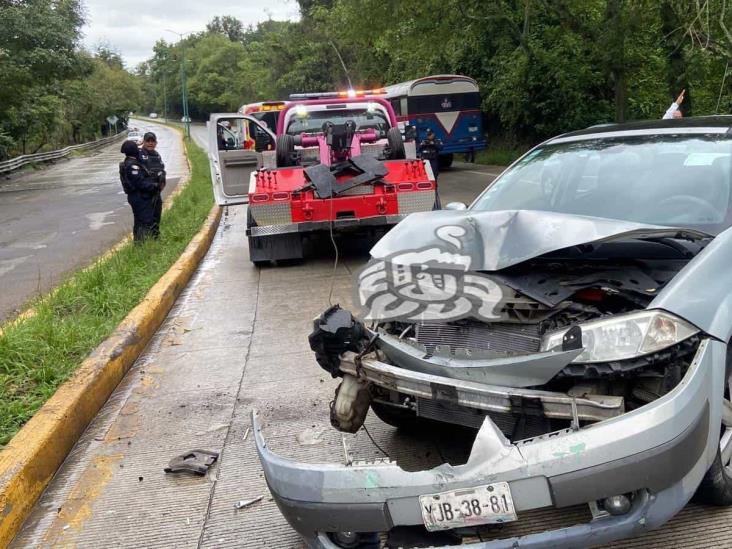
(673, 111)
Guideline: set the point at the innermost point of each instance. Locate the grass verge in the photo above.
(499, 155)
(40, 353)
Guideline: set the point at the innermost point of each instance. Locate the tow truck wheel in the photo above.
(284, 149)
(396, 144)
(716, 486)
(445, 160)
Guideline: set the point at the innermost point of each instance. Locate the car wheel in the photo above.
(716, 486)
(284, 150)
(445, 161)
(396, 144)
(406, 420)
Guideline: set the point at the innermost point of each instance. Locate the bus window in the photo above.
(396, 104)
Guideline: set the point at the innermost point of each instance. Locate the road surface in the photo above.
(60, 218)
(237, 340)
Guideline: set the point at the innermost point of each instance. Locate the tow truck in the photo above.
(334, 164)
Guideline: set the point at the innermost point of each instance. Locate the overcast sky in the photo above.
(132, 27)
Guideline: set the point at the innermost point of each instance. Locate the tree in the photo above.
(227, 25)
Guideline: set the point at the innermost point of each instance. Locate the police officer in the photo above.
(141, 192)
(153, 163)
(429, 149)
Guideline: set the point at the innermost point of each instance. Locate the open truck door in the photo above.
(229, 159)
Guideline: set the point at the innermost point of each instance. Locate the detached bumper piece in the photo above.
(653, 457)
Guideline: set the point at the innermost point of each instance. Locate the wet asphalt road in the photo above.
(60, 218)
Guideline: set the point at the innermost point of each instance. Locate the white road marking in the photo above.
(482, 173)
(8, 265)
(96, 220)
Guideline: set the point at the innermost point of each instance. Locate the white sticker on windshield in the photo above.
(703, 159)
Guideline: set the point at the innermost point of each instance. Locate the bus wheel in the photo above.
(445, 160)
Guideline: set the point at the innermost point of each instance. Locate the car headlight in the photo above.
(625, 336)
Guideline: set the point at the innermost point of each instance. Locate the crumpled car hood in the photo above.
(495, 240)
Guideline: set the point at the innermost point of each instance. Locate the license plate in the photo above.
(487, 504)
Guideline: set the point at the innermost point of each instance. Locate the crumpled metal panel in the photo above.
(417, 201)
(496, 240)
(277, 213)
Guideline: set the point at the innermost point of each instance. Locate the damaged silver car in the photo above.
(577, 315)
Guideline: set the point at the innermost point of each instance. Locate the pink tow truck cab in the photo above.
(338, 164)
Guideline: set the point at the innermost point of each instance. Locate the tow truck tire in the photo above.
(396, 144)
(445, 161)
(284, 149)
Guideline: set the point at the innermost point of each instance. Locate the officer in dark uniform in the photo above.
(429, 149)
(141, 192)
(153, 163)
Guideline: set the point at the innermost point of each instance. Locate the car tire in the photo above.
(405, 420)
(284, 150)
(445, 161)
(396, 144)
(716, 486)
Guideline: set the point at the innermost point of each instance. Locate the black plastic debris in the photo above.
(335, 332)
(195, 461)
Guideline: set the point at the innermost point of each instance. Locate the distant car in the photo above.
(185, 119)
(136, 136)
(153, 115)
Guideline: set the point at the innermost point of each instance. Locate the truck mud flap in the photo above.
(275, 247)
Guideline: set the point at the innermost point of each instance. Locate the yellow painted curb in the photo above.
(33, 455)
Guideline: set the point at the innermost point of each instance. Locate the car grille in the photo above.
(498, 337)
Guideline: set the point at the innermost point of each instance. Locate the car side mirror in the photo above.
(455, 206)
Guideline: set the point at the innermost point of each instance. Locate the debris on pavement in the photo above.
(194, 461)
(241, 504)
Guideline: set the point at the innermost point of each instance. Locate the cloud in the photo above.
(133, 27)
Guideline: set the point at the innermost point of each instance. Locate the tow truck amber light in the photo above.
(260, 197)
(280, 196)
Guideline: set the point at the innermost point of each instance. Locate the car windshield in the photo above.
(312, 121)
(134, 134)
(672, 180)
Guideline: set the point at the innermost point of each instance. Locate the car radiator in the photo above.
(518, 339)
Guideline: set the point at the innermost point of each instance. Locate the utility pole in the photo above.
(165, 99)
(183, 84)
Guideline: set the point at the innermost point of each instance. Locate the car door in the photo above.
(231, 164)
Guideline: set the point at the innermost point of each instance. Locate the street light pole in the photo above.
(183, 84)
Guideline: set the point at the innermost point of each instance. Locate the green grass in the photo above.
(40, 353)
(499, 155)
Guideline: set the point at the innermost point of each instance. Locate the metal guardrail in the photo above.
(20, 161)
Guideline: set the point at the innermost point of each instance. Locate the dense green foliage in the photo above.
(41, 352)
(544, 66)
(52, 93)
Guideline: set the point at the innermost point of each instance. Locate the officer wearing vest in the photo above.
(143, 193)
(153, 162)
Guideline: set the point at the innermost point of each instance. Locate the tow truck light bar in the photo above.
(348, 93)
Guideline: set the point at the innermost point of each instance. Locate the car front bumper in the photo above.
(659, 452)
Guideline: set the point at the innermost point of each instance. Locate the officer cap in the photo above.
(129, 148)
(149, 136)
